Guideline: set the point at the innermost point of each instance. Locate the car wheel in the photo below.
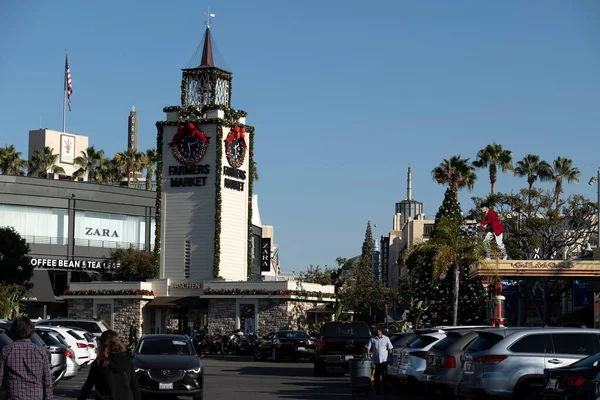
(530, 391)
(274, 355)
(199, 396)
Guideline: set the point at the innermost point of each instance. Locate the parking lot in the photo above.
(232, 377)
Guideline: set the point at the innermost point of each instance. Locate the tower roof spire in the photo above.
(409, 185)
(207, 52)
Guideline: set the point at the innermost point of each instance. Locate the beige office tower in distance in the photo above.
(65, 146)
(132, 130)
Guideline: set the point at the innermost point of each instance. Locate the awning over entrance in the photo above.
(42, 291)
(322, 308)
(557, 269)
(179, 302)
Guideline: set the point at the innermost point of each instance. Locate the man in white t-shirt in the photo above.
(380, 348)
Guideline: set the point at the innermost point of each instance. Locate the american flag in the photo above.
(68, 83)
(276, 261)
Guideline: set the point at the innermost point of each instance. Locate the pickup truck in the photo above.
(338, 343)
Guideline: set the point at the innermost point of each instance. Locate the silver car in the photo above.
(510, 362)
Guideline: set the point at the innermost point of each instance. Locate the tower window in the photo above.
(186, 259)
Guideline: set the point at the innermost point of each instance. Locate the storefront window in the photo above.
(97, 229)
(104, 312)
(37, 224)
(248, 318)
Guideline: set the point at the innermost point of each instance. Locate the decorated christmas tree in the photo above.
(434, 293)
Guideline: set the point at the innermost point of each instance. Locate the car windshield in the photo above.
(48, 339)
(292, 335)
(422, 341)
(75, 335)
(170, 346)
(587, 362)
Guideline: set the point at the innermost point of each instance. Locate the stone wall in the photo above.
(80, 308)
(297, 311)
(221, 315)
(125, 312)
(273, 315)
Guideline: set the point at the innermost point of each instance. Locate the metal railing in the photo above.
(83, 242)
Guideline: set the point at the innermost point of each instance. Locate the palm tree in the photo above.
(534, 169)
(89, 162)
(150, 158)
(452, 251)
(10, 161)
(43, 163)
(563, 169)
(492, 157)
(131, 162)
(111, 171)
(455, 172)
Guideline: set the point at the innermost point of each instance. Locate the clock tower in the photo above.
(204, 202)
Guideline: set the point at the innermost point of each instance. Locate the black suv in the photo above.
(338, 343)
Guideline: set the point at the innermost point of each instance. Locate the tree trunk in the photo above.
(455, 295)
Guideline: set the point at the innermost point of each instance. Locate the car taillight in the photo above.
(69, 354)
(81, 345)
(91, 346)
(489, 359)
(311, 342)
(420, 354)
(572, 380)
(322, 344)
(448, 361)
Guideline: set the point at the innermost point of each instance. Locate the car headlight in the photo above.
(141, 370)
(194, 371)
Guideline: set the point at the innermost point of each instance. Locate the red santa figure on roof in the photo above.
(494, 230)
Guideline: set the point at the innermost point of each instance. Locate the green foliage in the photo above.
(15, 265)
(317, 275)
(11, 297)
(133, 263)
(341, 261)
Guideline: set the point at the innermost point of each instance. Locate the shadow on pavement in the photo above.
(341, 389)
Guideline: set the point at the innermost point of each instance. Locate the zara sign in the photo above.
(265, 254)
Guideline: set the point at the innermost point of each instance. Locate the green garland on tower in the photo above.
(218, 202)
(250, 190)
(158, 175)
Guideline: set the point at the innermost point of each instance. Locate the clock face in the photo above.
(236, 153)
(190, 150)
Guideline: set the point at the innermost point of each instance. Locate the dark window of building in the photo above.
(186, 259)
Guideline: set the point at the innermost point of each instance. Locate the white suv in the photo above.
(79, 346)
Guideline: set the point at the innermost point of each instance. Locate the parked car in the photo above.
(76, 342)
(4, 340)
(443, 364)
(168, 365)
(399, 341)
(510, 362)
(291, 344)
(58, 355)
(93, 326)
(340, 342)
(573, 382)
(92, 341)
(72, 366)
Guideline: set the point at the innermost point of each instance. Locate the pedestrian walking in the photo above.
(494, 229)
(380, 348)
(112, 372)
(24, 367)
(133, 335)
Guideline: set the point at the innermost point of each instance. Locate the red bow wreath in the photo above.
(188, 130)
(236, 133)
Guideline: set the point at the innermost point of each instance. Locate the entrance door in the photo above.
(248, 318)
(104, 311)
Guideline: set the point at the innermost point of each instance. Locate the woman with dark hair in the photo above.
(112, 372)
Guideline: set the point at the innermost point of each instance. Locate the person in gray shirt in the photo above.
(380, 348)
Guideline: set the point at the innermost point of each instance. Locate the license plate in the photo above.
(349, 358)
(301, 348)
(165, 386)
(551, 384)
(468, 367)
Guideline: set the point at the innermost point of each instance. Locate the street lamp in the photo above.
(596, 180)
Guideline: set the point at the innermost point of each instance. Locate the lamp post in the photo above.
(596, 180)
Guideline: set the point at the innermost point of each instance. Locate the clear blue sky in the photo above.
(343, 94)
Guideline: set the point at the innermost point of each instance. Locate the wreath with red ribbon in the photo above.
(238, 134)
(189, 130)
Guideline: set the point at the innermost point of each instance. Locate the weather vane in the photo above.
(209, 18)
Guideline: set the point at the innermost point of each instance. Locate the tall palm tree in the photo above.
(562, 168)
(89, 163)
(111, 171)
(131, 162)
(493, 156)
(452, 251)
(456, 172)
(534, 169)
(150, 158)
(43, 163)
(10, 160)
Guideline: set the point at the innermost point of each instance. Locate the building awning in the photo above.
(179, 302)
(42, 291)
(322, 308)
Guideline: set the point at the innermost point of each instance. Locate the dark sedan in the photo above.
(292, 344)
(168, 364)
(573, 382)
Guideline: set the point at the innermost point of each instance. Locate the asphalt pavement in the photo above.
(231, 377)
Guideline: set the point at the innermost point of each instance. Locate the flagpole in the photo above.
(64, 127)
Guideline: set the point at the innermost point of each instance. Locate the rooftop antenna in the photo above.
(209, 18)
